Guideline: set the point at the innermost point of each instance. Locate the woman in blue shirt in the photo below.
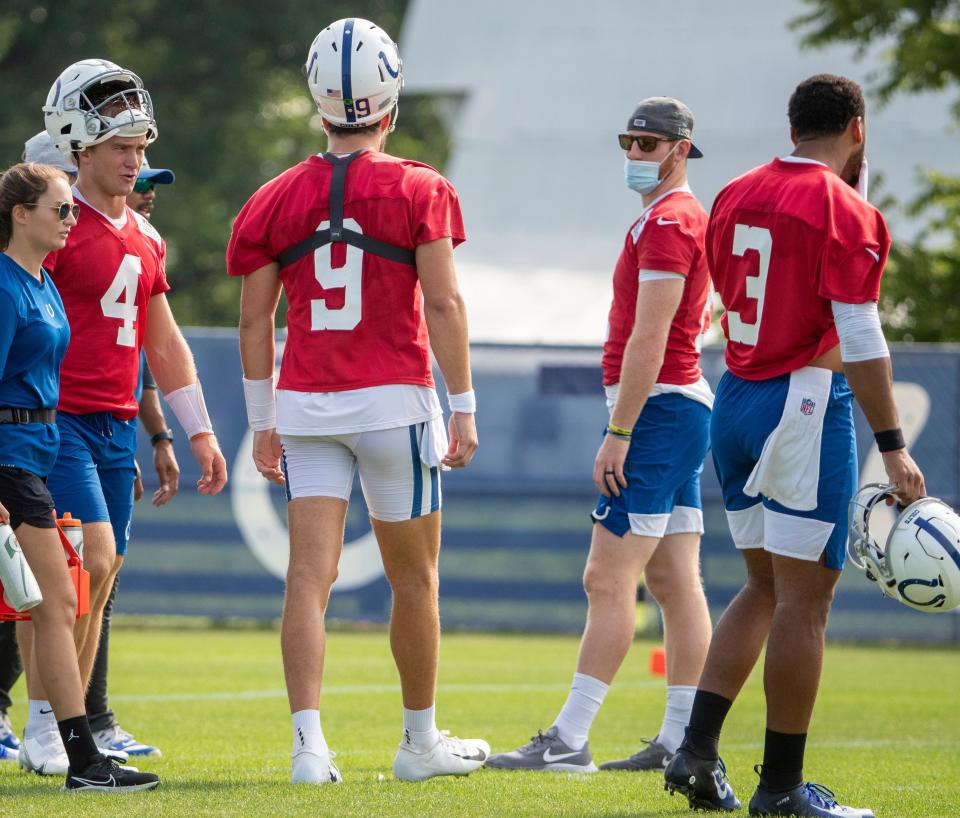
(36, 214)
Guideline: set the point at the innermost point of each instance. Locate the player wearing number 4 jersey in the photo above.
(111, 277)
(796, 254)
(362, 244)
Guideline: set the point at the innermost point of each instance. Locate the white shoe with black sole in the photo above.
(448, 756)
(106, 775)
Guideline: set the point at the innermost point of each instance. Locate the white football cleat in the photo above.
(315, 768)
(43, 753)
(449, 756)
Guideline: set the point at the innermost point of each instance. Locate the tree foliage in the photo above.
(920, 42)
(232, 107)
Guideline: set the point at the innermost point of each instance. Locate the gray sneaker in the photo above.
(654, 757)
(545, 752)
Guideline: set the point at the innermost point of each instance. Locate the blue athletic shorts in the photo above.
(663, 466)
(745, 413)
(94, 472)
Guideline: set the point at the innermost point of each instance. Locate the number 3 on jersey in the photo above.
(349, 277)
(120, 299)
(751, 238)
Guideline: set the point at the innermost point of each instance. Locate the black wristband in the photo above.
(166, 434)
(890, 440)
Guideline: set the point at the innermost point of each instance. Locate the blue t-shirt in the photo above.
(33, 340)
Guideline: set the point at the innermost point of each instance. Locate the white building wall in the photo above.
(548, 85)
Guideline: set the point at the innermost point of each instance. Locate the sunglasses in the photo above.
(143, 186)
(63, 210)
(646, 143)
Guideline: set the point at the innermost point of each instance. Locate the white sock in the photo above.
(307, 733)
(677, 715)
(581, 707)
(420, 727)
(41, 716)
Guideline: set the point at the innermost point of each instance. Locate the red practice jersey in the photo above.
(105, 277)
(354, 319)
(784, 240)
(667, 238)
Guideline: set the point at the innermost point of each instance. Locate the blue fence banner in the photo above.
(516, 525)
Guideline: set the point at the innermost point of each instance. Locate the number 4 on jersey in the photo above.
(751, 238)
(120, 299)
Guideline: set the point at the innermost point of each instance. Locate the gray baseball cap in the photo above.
(39, 148)
(666, 116)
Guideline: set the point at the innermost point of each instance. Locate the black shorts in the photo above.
(25, 496)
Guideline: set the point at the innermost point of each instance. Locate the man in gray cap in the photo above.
(144, 191)
(647, 470)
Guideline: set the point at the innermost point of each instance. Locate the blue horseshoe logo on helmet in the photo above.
(936, 602)
(386, 64)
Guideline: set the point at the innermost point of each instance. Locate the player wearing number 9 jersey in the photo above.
(796, 254)
(362, 244)
(112, 280)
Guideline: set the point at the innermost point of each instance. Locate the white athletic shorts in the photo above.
(396, 477)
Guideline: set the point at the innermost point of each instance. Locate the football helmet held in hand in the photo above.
(919, 564)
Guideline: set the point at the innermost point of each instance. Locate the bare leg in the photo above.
(316, 539)
(610, 579)
(410, 551)
(673, 579)
(54, 654)
(101, 560)
(741, 631)
(795, 648)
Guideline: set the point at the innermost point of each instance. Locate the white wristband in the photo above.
(187, 404)
(261, 404)
(465, 402)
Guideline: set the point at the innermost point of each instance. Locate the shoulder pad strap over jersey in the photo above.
(337, 232)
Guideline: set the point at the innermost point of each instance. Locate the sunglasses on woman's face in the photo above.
(647, 143)
(142, 186)
(63, 210)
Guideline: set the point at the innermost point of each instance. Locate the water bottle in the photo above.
(73, 531)
(20, 589)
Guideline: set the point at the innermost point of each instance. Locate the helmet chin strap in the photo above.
(394, 115)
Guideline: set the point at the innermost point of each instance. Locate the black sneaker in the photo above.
(806, 801)
(106, 775)
(704, 782)
(654, 757)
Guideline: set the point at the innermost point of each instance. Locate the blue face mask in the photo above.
(642, 176)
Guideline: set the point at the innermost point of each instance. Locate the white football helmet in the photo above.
(94, 100)
(354, 72)
(919, 565)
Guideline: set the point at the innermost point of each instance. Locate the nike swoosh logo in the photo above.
(92, 782)
(548, 756)
(662, 221)
(874, 253)
(477, 756)
(44, 712)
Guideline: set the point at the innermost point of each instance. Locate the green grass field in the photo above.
(886, 731)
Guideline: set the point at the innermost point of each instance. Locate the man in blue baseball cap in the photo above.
(144, 192)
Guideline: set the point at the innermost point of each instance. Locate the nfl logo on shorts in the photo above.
(807, 406)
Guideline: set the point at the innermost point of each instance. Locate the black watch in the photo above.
(166, 434)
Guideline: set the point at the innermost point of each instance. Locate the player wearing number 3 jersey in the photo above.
(111, 277)
(362, 244)
(796, 254)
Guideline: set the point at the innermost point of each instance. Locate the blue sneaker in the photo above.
(6, 754)
(806, 801)
(117, 739)
(8, 738)
(704, 782)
